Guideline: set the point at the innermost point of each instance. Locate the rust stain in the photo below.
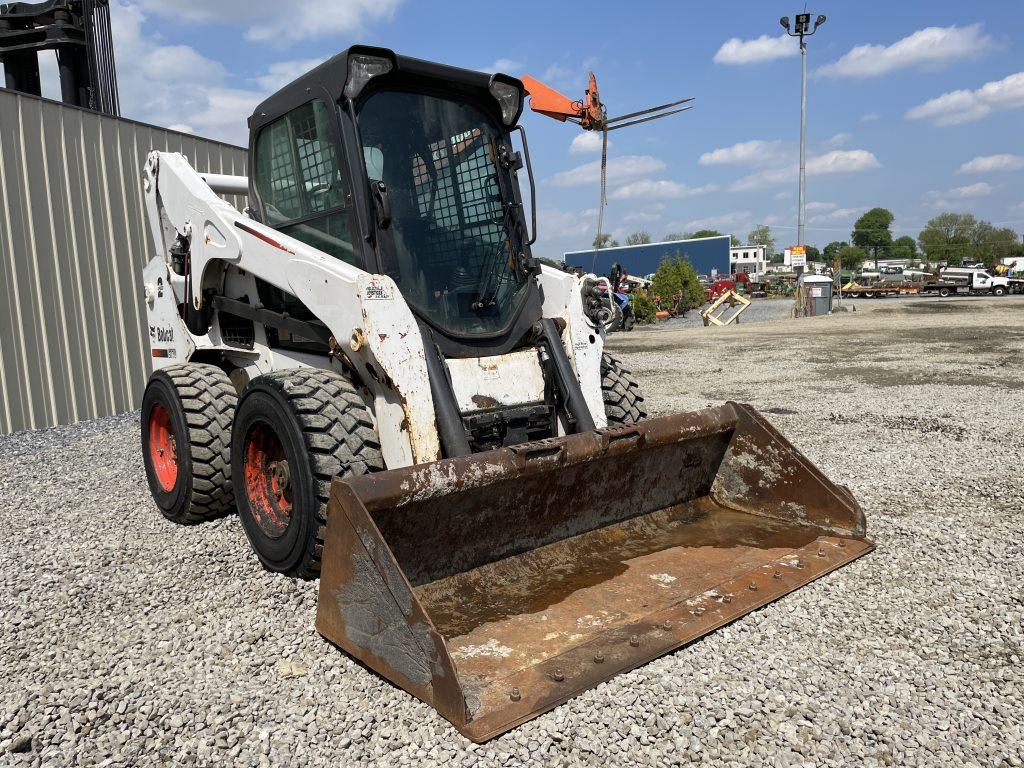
(548, 568)
(483, 401)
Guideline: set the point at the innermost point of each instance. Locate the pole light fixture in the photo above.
(802, 28)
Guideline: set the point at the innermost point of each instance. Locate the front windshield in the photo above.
(455, 245)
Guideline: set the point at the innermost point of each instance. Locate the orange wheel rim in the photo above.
(268, 484)
(162, 449)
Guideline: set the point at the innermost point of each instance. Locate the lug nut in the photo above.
(634, 641)
(557, 676)
(726, 598)
(799, 563)
(515, 695)
(842, 542)
(777, 575)
(752, 587)
(599, 659)
(699, 611)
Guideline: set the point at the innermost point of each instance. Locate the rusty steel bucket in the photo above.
(496, 587)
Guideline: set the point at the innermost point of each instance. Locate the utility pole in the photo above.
(802, 29)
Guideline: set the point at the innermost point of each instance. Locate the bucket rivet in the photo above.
(799, 563)
(634, 641)
(777, 575)
(842, 543)
(599, 659)
(752, 587)
(515, 695)
(557, 676)
(821, 551)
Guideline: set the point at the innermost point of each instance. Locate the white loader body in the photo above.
(373, 331)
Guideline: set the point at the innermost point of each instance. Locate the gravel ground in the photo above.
(129, 641)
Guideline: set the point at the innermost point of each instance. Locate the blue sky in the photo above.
(914, 106)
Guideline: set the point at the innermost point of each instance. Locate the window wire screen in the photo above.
(297, 169)
(455, 245)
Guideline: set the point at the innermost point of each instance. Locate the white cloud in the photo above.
(175, 84)
(280, 73)
(811, 207)
(928, 48)
(722, 221)
(842, 161)
(619, 169)
(763, 48)
(280, 23)
(555, 223)
(839, 139)
(782, 195)
(586, 142)
(964, 106)
(838, 215)
(641, 217)
(658, 188)
(990, 163)
(870, 117)
(754, 152)
(507, 66)
(836, 161)
(952, 197)
(981, 189)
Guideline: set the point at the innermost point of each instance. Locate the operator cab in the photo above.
(406, 168)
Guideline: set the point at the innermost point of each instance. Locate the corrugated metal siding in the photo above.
(73, 242)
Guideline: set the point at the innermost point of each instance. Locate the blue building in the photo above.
(707, 254)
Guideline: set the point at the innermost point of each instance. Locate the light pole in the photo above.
(802, 28)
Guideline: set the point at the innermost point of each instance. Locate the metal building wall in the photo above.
(73, 242)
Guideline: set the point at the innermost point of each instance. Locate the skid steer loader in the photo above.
(370, 365)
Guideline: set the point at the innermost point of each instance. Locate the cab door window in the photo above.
(299, 181)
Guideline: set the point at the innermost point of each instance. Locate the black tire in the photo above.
(623, 399)
(294, 431)
(999, 290)
(198, 405)
(943, 292)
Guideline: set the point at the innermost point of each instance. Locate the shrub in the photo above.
(643, 306)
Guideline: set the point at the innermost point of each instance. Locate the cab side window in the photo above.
(299, 181)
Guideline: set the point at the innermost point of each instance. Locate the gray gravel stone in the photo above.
(130, 641)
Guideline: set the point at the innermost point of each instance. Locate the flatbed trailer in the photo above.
(856, 291)
(974, 285)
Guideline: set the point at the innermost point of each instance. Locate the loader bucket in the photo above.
(497, 586)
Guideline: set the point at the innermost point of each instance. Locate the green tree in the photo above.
(871, 231)
(693, 292)
(762, 235)
(666, 285)
(638, 238)
(643, 306)
(851, 257)
(676, 236)
(992, 244)
(832, 250)
(676, 286)
(813, 254)
(947, 237)
(604, 240)
(904, 247)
